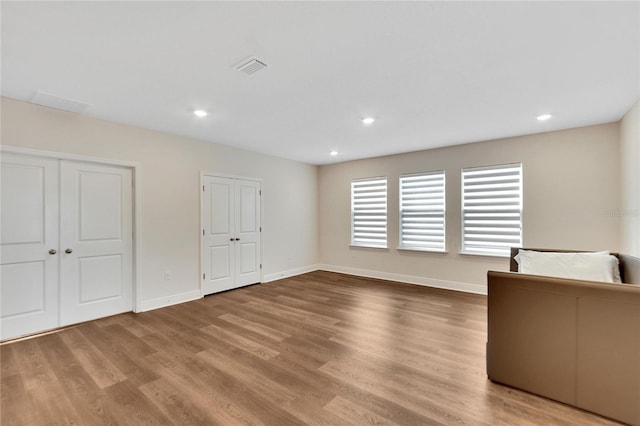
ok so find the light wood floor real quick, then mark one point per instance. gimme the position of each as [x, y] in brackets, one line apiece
[321, 348]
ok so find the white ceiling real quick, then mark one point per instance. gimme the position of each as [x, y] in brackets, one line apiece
[431, 73]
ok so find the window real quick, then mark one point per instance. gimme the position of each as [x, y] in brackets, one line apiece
[492, 209]
[422, 209]
[369, 212]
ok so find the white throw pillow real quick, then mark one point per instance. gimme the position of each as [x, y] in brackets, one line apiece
[593, 266]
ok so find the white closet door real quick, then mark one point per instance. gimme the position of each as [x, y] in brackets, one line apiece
[95, 241]
[29, 271]
[231, 233]
[218, 241]
[247, 232]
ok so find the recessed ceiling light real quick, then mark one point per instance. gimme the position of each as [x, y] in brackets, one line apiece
[368, 120]
[200, 113]
[543, 117]
[333, 153]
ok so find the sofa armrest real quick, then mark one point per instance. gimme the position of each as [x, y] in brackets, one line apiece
[574, 341]
[531, 335]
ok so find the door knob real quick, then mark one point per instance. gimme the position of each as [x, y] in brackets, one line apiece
[68, 251]
[52, 251]
[231, 239]
[237, 239]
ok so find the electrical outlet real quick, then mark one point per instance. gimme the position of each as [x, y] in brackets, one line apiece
[167, 275]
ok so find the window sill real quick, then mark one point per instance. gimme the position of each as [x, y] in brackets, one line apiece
[409, 248]
[368, 246]
[493, 256]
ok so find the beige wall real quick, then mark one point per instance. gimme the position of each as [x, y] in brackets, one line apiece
[572, 196]
[630, 181]
[171, 166]
[571, 188]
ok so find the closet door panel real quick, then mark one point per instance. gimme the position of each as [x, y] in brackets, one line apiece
[248, 232]
[28, 272]
[218, 251]
[231, 233]
[221, 262]
[101, 278]
[96, 241]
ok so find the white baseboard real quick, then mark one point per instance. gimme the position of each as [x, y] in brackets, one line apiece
[161, 302]
[410, 279]
[289, 273]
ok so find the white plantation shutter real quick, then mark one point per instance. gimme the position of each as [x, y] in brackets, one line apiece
[492, 209]
[422, 211]
[369, 212]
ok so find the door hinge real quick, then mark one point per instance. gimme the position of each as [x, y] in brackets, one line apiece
[203, 276]
[261, 229]
[203, 232]
[203, 188]
[260, 192]
[261, 266]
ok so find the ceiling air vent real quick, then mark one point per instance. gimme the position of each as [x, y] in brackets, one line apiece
[250, 66]
[52, 101]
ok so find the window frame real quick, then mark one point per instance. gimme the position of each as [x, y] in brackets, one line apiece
[501, 249]
[401, 236]
[371, 180]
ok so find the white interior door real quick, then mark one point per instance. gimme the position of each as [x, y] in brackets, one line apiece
[29, 245]
[95, 241]
[231, 233]
[218, 241]
[247, 233]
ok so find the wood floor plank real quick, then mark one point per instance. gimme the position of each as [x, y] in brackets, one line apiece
[277, 322]
[227, 392]
[319, 349]
[8, 361]
[100, 368]
[299, 378]
[298, 394]
[85, 395]
[129, 321]
[123, 349]
[268, 332]
[129, 406]
[14, 400]
[180, 407]
[294, 314]
[243, 343]
[44, 396]
[34, 370]
[354, 414]
[270, 389]
[183, 378]
[385, 385]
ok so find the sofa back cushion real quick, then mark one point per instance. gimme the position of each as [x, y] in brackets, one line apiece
[590, 266]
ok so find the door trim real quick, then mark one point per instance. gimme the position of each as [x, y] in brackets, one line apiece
[136, 169]
[204, 174]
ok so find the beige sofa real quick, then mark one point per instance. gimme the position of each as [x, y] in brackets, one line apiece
[574, 341]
